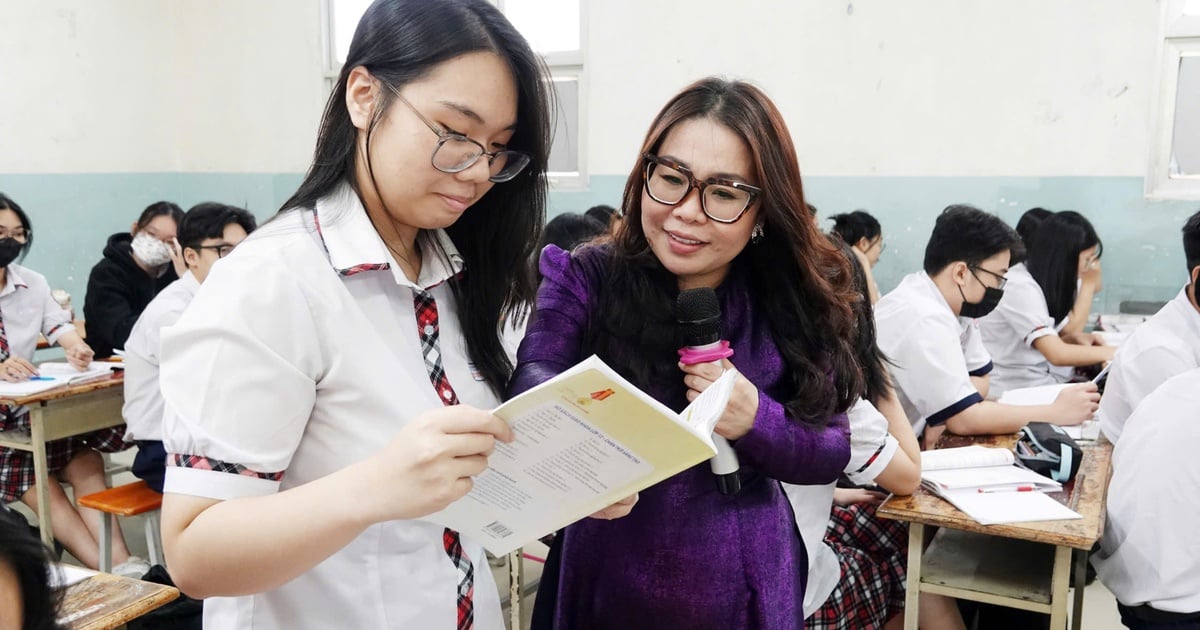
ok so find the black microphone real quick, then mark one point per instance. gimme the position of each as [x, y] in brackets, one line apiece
[698, 312]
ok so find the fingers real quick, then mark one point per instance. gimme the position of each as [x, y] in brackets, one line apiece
[467, 419]
[460, 445]
[18, 369]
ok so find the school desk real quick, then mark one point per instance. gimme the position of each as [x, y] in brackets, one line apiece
[62, 412]
[1020, 565]
[104, 601]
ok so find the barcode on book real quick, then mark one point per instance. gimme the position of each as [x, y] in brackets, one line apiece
[497, 529]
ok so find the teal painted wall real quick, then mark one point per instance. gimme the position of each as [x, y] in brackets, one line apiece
[73, 215]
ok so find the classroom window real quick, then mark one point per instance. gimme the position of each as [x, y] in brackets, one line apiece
[554, 29]
[1174, 171]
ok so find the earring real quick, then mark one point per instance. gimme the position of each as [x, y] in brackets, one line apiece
[756, 235]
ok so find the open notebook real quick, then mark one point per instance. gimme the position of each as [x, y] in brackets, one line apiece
[987, 485]
[54, 374]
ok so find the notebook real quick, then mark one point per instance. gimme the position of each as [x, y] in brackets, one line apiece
[54, 374]
[986, 484]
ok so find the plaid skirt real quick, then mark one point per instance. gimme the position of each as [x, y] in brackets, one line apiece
[873, 554]
[16, 467]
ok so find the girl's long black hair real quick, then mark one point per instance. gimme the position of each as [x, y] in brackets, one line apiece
[400, 41]
[1054, 258]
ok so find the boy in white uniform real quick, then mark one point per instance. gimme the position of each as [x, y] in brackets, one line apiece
[207, 233]
[1166, 345]
[1149, 555]
[926, 327]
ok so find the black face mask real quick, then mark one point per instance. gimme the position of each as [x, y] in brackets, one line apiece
[10, 248]
[975, 310]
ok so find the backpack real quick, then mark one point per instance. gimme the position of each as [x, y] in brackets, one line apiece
[1046, 449]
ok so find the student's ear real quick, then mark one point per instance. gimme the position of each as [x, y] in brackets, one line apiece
[863, 244]
[1195, 274]
[133, 228]
[191, 257]
[960, 271]
[362, 91]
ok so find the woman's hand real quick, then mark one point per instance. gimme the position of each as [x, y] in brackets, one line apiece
[618, 509]
[429, 463]
[850, 496]
[177, 260]
[15, 369]
[79, 356]
[738, 418]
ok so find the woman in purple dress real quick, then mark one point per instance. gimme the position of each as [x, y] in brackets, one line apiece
[715, 201]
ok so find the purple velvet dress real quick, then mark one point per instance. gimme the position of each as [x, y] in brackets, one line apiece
[687, 556]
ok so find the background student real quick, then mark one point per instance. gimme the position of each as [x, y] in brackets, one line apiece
[1165, 345]
[607, 216]
[714, 200]
[926, 327]
[1023, 334]
[1149, 557]
[27, 310]
[863, 234]
[208, 232]
[1026, 226]
[135, 267]
[27, 600]
[856, 578]
[347, 350]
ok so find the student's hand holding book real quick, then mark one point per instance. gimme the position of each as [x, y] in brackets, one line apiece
[430, 463]
[1075, 404]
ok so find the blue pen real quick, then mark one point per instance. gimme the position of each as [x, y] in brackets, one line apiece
[41, 378]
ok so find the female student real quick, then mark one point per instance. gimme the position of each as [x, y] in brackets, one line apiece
[1027, 334]
[27, 310]
[338, 341]
[714, 200]
[861, 231]
[136, 266]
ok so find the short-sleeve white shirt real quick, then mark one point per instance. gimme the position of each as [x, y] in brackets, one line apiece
[1150, 553]
[28, 310]
[299, 356]
[934, 353]
[1163, 346]
[871, 450]
[1021, 318]
[143, 410]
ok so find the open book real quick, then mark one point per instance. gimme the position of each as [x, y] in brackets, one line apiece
[1045, 395]
[986, 484]
[54, 374]
[585, 439]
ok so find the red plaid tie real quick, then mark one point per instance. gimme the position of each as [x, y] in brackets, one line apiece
[3, 340]
[427, 327]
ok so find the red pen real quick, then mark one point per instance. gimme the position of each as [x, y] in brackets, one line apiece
[1017, 489]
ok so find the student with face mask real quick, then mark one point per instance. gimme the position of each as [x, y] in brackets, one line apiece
[27, 310]
[136, 266]
[926, 326]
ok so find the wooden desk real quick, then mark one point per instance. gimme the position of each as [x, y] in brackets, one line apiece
[106, 601]
[962, 562]
[62, 412]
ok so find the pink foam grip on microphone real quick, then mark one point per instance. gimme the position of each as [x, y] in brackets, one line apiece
[692, 356]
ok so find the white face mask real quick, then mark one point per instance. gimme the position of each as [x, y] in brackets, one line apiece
[150, 250]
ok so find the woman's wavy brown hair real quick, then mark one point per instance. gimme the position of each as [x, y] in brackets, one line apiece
[795, 277]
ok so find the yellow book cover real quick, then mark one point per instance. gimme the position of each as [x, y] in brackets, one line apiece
[585, 439]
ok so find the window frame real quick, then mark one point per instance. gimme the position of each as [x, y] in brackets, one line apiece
[1179, 37]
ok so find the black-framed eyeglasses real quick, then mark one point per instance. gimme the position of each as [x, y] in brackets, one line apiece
[456, 153]
[19, 234]
[1000, 278]
[222, 250]
[723, 200]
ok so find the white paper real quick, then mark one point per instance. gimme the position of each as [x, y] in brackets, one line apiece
[989, 477]
[64, 575]
[973, 456]
[1009, 507]
[1041, 395]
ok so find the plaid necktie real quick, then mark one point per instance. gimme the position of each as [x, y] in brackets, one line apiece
[3, 340]
[427, 327]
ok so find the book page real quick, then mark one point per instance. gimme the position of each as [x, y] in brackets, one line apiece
[974, 456]
[1009, 507]
[988, 477]
[704, 412]
[69, 373]
[584, 440]
[1041, 395]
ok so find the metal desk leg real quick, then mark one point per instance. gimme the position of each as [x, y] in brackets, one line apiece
[1058, 587]
[516, 574]
[1081, 560]
[41, 474]
[916, 547]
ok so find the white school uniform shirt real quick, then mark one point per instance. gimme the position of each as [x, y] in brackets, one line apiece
[1021, 318]
[143, 409]
[28, 310]
[299, 356]
[933, 352]
[871, 450]
[1163, 346]
[1150, 553]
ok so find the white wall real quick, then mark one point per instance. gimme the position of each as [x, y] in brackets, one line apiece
[159, 85]
[880, 87]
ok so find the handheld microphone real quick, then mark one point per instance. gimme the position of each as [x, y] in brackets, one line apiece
[699, 315]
